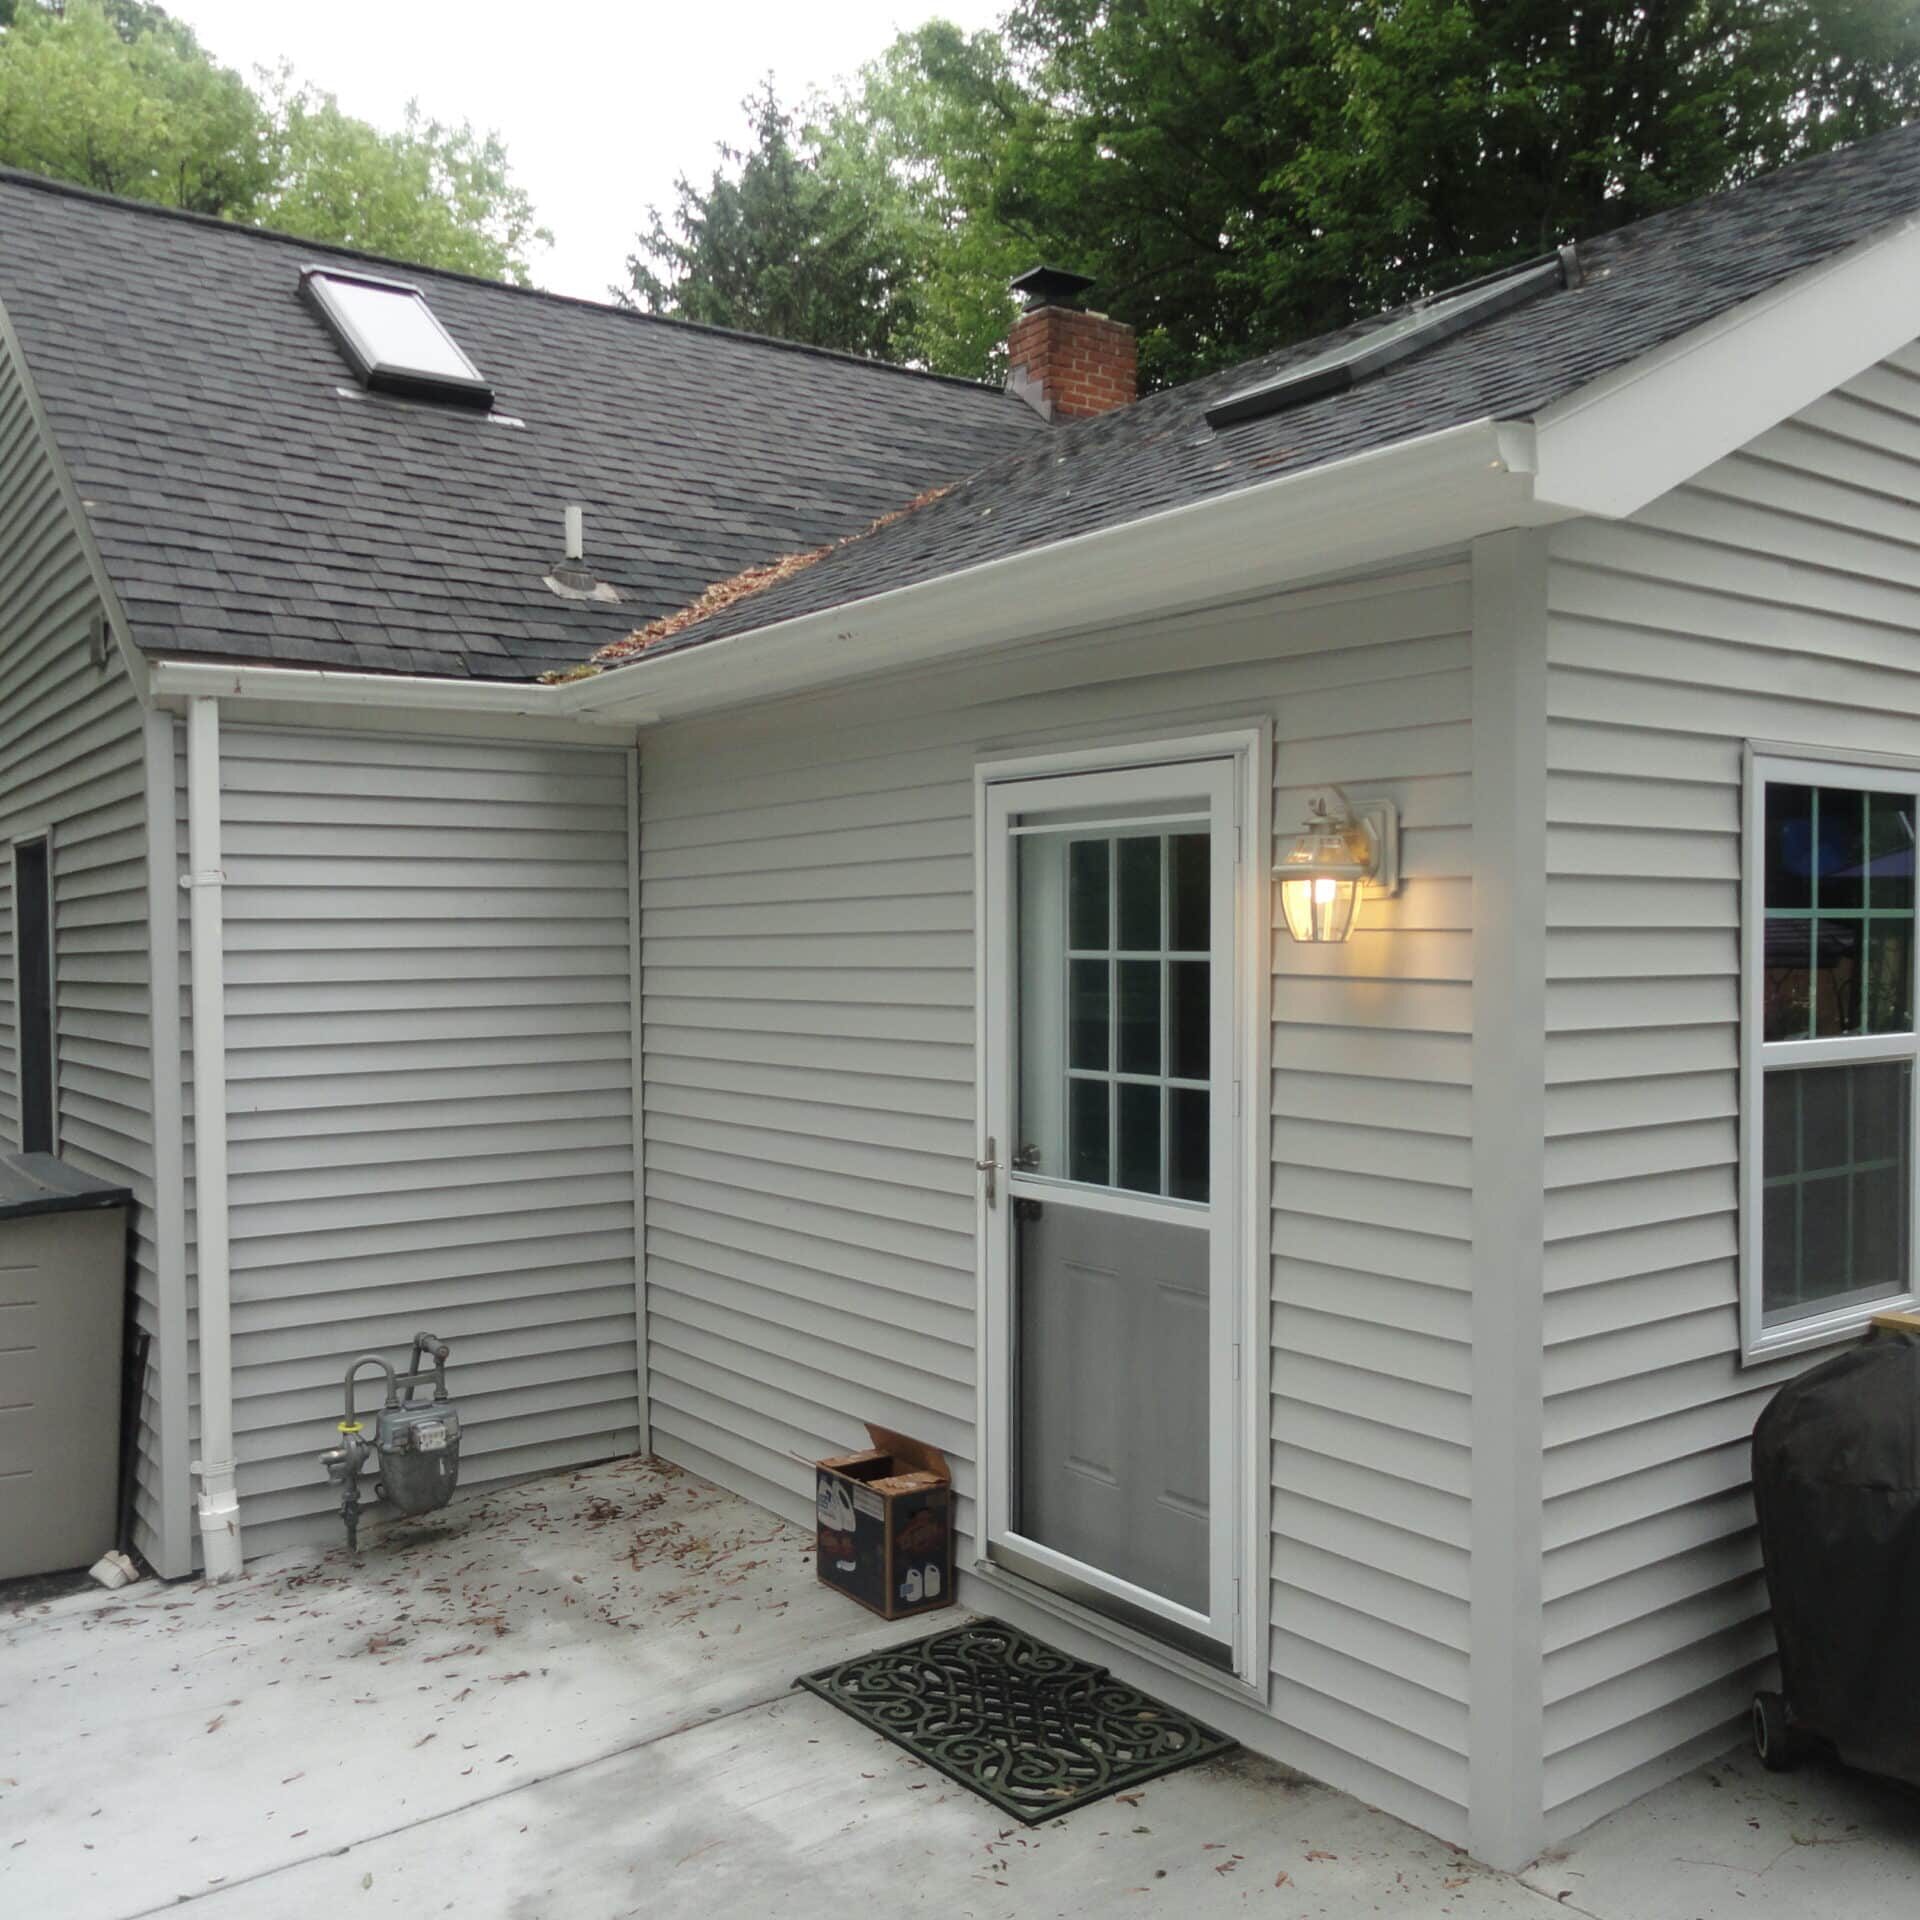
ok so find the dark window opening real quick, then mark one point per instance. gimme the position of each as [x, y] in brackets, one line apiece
[33, 970]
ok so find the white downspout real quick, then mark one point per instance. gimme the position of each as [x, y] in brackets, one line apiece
[219, 1502]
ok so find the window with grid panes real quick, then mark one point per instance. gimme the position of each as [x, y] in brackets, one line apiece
[1831, 1202]
[1139, 998]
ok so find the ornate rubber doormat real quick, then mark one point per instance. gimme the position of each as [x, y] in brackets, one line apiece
[1033, 1730]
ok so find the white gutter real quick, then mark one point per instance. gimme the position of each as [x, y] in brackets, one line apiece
[1414, 497]
[189, 680]
[219, 1501]
[1419, 496]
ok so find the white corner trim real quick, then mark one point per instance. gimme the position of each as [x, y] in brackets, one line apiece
[1506, 1822]
[1636, 433]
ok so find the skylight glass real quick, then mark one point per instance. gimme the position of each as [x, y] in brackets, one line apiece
[392, 339]
[1411, 332]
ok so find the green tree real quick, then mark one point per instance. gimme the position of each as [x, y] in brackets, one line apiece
[1238, 174]
[771, 245]
[919, 141]
[440, 195]
[1476, 132]
[117, 95]
[127, 104]
[1241, 173]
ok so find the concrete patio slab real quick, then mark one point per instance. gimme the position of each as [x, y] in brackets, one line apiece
[572, 1697]
[165, 1740]
[1732, 1839]
[792, 1809]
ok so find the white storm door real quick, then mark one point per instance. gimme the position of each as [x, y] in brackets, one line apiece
[1111, 1296]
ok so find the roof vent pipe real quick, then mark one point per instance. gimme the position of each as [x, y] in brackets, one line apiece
[572, 578]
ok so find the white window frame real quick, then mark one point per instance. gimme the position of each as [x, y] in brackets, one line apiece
[1767, 763]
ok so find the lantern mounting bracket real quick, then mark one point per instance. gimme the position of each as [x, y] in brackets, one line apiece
[1379, 820]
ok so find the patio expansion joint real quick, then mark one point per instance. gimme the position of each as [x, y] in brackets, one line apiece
[712, 1719]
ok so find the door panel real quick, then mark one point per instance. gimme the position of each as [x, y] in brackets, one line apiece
[1112, 1360]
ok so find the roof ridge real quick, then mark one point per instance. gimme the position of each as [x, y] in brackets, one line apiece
[72, 190]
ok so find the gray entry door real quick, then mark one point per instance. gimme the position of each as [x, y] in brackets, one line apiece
[1110, 1300]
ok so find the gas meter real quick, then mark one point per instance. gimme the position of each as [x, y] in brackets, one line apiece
[415, 1443]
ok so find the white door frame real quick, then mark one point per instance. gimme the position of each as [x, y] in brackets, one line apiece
[1242, 1388]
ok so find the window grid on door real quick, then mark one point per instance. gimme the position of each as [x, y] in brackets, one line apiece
[1139, 987]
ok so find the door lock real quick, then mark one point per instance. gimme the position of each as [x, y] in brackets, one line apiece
[989, 1166]
[1027, 1160]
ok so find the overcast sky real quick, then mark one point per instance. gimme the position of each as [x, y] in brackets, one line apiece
[601, 102]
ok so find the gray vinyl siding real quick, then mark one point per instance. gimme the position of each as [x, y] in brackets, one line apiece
[71, 758]
[808, 939]
[430, 1096]
[1775, 597]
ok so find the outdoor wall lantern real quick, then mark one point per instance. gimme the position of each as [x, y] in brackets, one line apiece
[1339, 854]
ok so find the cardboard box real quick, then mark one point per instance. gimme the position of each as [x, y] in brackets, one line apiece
[886, 1525]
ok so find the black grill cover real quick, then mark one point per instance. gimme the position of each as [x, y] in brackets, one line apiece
[1836, 1480]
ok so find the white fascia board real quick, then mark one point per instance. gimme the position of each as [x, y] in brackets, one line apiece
[175, 681]
[1439, 490]
[319, 696]
[1615, 445]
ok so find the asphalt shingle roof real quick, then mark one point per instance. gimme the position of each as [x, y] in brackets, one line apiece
[1643, 285]
[246, 507]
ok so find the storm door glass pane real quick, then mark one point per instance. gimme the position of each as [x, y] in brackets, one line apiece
[1188, 1143]
[1139, 1050]
[1189, 1018]
[1114, 1005]
[1140, 1138]
[1090, 865]
[1089, 1023]
[1140, 894]
[1089, 1148]
[1189, 893]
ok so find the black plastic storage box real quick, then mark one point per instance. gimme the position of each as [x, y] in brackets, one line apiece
[1836, 1481]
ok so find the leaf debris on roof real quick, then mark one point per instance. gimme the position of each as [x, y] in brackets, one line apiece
[747, 582]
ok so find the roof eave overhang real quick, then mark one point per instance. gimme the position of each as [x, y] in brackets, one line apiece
[1437, 491]
[1615, 445]
[1608, 449]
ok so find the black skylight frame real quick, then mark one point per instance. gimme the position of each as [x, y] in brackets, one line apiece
[460, 383]
[1417, 329]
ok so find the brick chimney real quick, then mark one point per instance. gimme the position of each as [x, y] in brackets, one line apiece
[1062, 360]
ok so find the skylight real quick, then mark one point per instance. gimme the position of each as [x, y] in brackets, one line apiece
[391, 338]
[1411, 332]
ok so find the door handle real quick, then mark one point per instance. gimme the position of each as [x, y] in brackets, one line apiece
[989, 1166]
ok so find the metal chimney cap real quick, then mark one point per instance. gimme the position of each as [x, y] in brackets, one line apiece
[1049, 287]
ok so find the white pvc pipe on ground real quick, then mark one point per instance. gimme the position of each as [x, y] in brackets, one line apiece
[219, 1502]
